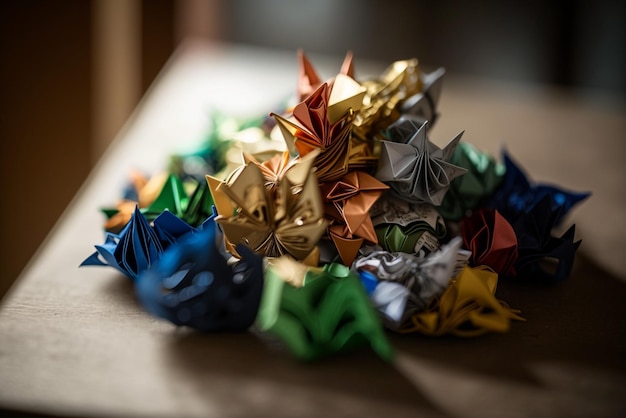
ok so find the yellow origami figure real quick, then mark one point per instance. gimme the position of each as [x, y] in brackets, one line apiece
[467, 308]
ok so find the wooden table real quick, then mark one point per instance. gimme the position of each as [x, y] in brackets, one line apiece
[74, 342]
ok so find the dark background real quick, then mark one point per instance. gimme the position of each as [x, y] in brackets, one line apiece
[46, 91]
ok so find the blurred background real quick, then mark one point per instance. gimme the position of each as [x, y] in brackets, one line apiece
[72, 71]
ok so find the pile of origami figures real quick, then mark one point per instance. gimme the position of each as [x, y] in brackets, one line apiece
[335, 220]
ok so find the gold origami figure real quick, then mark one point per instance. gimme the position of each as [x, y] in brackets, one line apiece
[275, 207]
[383, 95]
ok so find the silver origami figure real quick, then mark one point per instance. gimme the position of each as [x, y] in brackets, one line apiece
[416, 169]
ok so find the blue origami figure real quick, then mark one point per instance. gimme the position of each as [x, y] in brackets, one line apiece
[516, 194]
[139, 244]
[134, 250]
[541, 256]
[192, 284]
[170, 228]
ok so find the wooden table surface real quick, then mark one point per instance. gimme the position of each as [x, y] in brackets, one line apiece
[74, 342]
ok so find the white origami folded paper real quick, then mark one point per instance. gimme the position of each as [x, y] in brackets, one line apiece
[425, 279]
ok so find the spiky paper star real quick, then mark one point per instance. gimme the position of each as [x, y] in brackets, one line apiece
[309, 80]
[323, 121]
[542, 256]
[518, 195]
[348, 202]
[287, 218]
[472, 190]
[135, 249]
[423, 105]
[416, 169]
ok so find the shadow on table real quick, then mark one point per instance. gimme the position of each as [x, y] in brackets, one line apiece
[578, 323]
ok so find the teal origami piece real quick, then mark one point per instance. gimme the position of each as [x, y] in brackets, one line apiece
[472, 190]
[330, 313]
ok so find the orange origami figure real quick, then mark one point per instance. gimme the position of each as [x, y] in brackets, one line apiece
[348, 203]
[147, 192]
[309, 80]
[323, 120]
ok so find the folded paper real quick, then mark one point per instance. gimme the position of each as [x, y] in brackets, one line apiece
[542, 256]
[385, 94]
[308, 78]
[425, 278]
[517, 194]
[407, 227]
[467, 308]
[416, 169]
[334, 215]
[135, 249]
[347, 204]
[141, 192]
[171, 196]
[271, 215]
[323, 121]
[192, 284]
[330, 313]
[473, 189]
[491, 240]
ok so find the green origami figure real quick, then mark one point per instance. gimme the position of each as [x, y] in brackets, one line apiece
[407, 227]
[330, 313]
[469, 192]
[173, 197]
[200, 205]
[409, 239]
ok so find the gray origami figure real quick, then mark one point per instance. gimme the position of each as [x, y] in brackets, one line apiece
[416, 169]
[423, 105]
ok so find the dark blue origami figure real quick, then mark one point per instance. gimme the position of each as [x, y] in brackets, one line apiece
[517, 195]
[139, 244]
[135, 249]
[192, 284]
[541, 256]
[170, 228]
